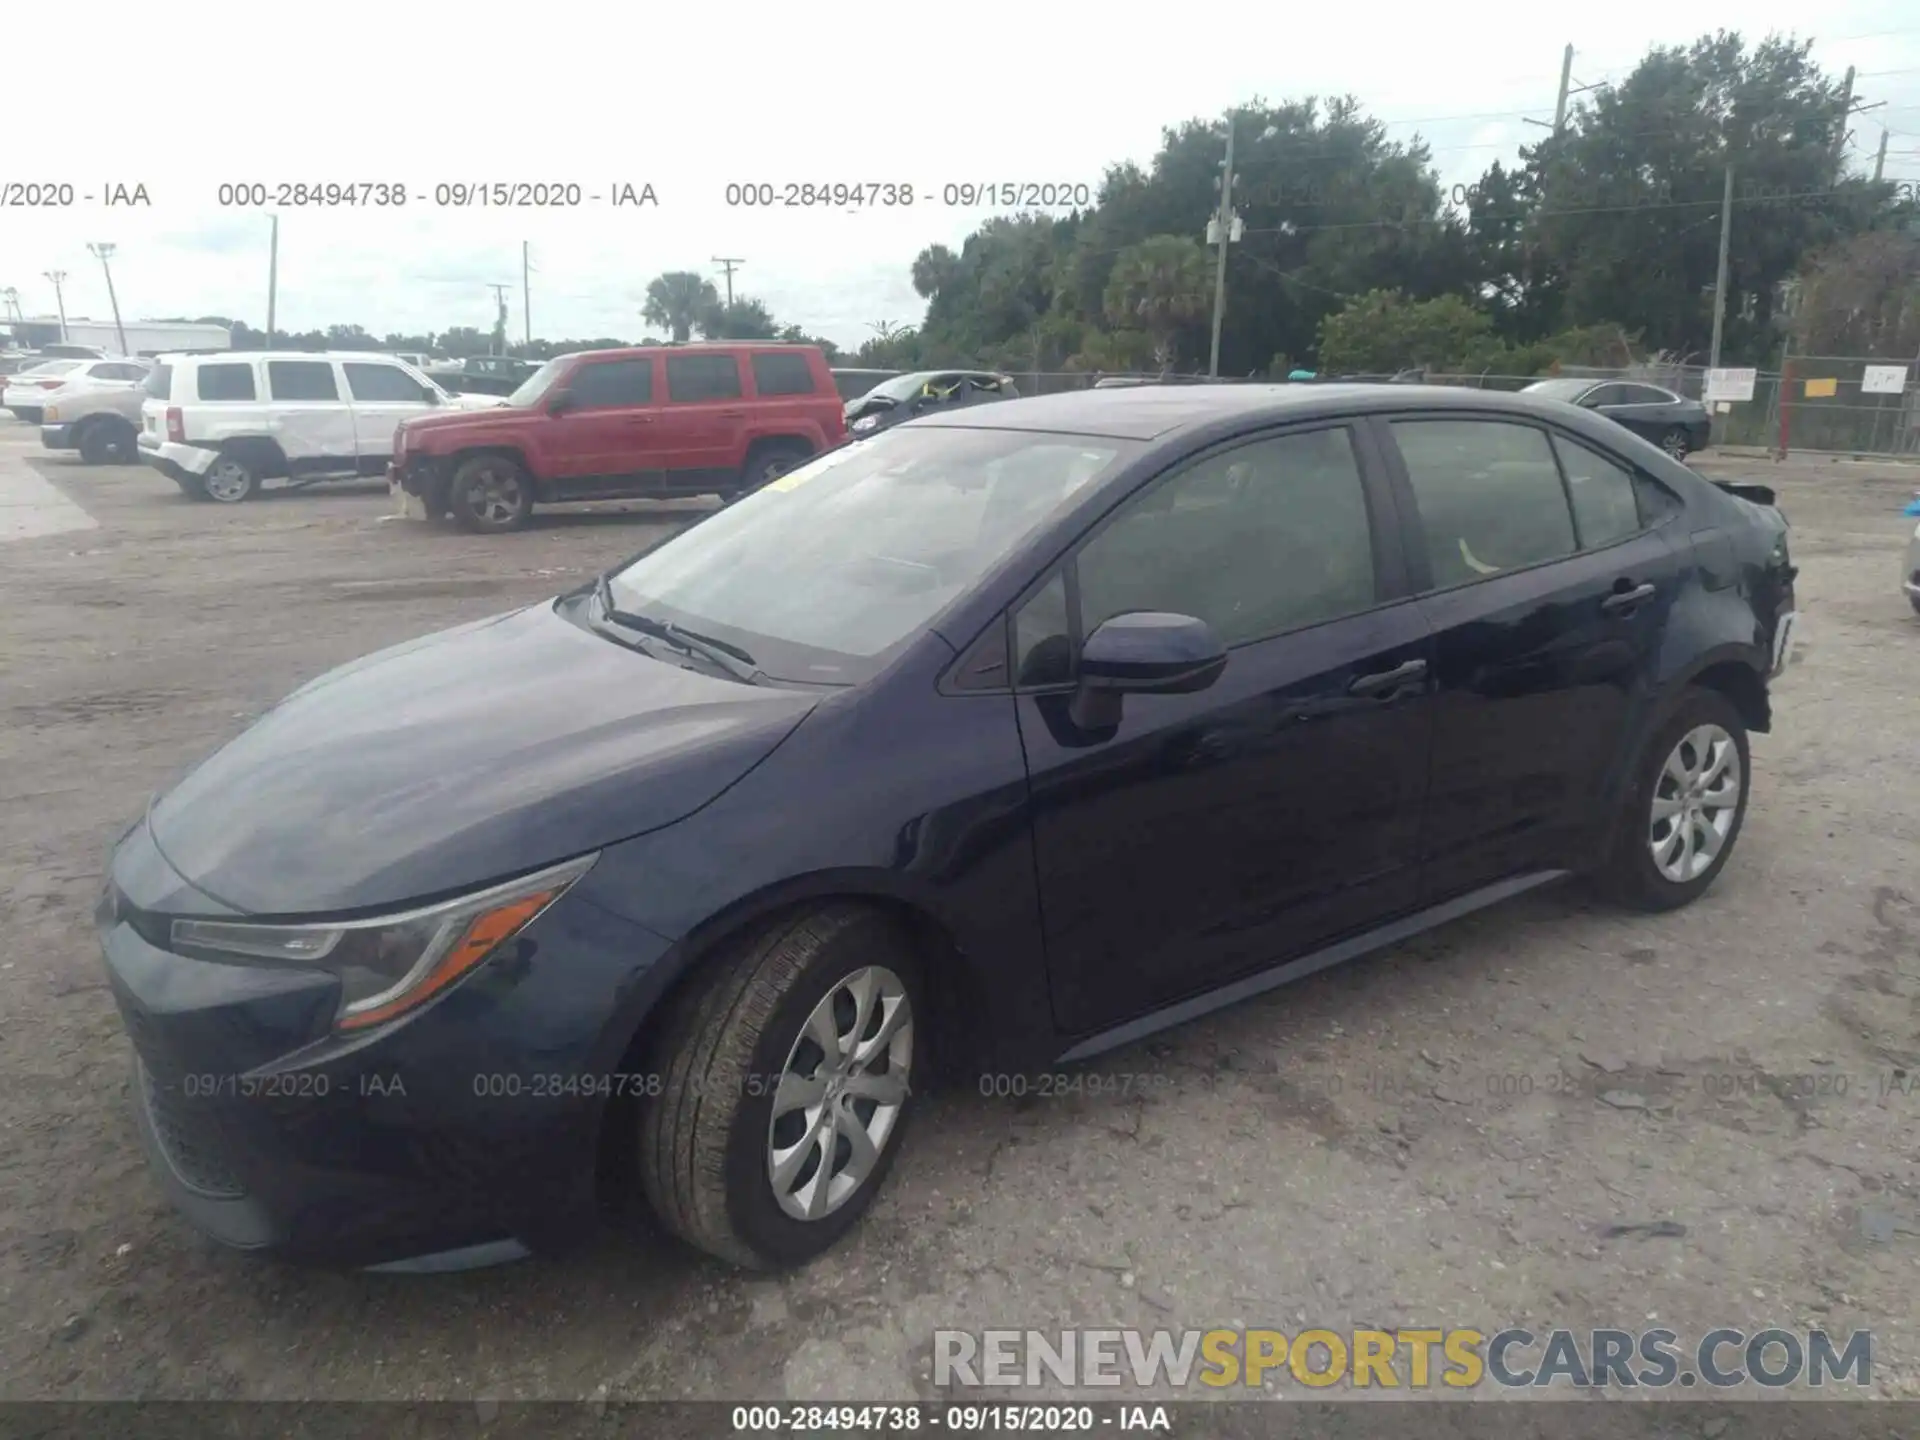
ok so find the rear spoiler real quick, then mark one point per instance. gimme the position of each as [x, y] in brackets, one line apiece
[1758, 494]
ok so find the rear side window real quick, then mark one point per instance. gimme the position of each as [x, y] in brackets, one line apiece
[703, 377]
[782, 375]
[610, 384]
[1489, 496]
[160, 383]
[1602, 493]
[380, 383]
[301, 380]
[224, 382]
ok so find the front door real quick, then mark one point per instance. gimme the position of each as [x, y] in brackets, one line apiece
[609, 436]
[1548, 594]
[383, 396]
[1212, 835]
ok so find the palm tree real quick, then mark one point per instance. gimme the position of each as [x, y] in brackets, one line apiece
[1158, 286]
[677, 300]
[933, 269]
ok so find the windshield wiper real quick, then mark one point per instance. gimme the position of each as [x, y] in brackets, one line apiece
[731, 658]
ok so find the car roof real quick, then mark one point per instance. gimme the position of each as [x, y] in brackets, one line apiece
[172, 357]
[1149, 412]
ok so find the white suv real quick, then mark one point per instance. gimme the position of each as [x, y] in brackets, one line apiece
[224, 425]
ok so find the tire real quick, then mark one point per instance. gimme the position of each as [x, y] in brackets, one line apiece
[105, 442]
[1696, 730]
[1676, 443]
[1914, 600]
[231, 479]
[490, 494]
[708, 1142]
[768, 463]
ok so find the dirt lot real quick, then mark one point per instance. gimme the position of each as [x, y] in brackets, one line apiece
[1441, 1135]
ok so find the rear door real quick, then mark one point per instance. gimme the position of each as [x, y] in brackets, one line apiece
[308, 413]
[1548, 595]
[381, 396]
[702, 425]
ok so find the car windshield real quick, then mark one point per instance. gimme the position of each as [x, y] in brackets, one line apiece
[1568, 390]
[836, 563]
[537, 384]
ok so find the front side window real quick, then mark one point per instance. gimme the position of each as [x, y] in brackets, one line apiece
[613, 384]
[1257, 540]
[1489, 496]
[838, 562]
[383, 384]
[301, 380]
[702, 377]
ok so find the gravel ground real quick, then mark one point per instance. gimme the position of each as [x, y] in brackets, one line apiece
[1442, 1134]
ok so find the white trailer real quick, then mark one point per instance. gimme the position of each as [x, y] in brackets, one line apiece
[143, 337]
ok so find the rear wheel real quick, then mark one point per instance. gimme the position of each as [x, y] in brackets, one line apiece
[105, 441]
[1675, 443]
[490, 494]
[230, 479]
[788, 1078]
[1686, 806]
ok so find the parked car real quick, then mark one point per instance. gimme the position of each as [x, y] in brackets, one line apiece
[987, 745]
[1676, 424]
[25, 391]
[484, 374]
[893, 401]
[1911, 580]
[605, 424]
[97, 411]
[223, 425]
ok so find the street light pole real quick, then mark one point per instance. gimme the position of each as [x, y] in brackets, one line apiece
[60, 299]
[1223, 219]
[104, 253]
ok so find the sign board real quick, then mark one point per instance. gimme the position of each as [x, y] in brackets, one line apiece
[1822, 389]
[1730, 385]
[1883, 380]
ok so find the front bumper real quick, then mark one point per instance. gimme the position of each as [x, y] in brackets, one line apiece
[57, 437]
[443, 1141]
[27, 412]
[175, 461]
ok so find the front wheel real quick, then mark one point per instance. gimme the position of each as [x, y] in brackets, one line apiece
[106, 442]
[767, 464]
[1675, 443]
[1685, 808]
[490, 495]
[788, 1077]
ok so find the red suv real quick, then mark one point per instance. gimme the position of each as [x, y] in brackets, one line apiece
[606, 424]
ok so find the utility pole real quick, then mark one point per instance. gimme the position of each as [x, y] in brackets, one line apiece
[729, 265]
[1880, 160]
[104, 253]
[500, 324]
[273, 275]
[526, 289]
[1223, 224]
[58, 277]
[1566, 79]
[1720, 278]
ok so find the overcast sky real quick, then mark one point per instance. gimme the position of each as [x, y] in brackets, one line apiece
[689, 100]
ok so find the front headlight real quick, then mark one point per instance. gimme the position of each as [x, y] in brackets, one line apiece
[50, 414]
[865, 422]
[393, 964]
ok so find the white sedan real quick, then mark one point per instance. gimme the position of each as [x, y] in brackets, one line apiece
[24, 392]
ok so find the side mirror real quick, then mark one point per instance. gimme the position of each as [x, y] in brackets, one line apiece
[431, 396]
[561, 403]
[1144, 653]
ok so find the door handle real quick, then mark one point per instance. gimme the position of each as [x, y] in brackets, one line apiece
[733, 414]
[639, 420]
[1627, 599]
[1384, 681]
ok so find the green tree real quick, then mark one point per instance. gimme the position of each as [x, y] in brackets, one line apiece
[1861, 297]
[744, 319]
[677, 300]
[1383, 331]
[1160, 286]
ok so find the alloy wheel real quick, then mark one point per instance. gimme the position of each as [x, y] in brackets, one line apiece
[841, 1093]
[493, 496]
[228, 481]
[1675, 444]
[1695, 802]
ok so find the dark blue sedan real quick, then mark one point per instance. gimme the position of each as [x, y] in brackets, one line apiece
[999, 740]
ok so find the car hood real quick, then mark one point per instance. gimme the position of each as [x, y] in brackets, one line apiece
[465, 414]
[463, 757]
